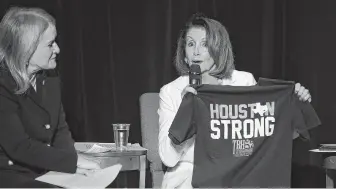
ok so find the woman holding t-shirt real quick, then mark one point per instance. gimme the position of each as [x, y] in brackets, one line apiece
[203, 41]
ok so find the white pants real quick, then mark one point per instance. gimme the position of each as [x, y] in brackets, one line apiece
[179, 176]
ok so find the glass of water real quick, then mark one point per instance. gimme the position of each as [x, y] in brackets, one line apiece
[121, 135]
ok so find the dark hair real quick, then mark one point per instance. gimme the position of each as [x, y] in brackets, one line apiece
[218, 44]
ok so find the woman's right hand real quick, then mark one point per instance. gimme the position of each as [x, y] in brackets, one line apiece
[188, 89]
[87, 163]
[86, 172]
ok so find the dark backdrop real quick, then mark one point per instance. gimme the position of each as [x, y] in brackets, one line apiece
[112, 51]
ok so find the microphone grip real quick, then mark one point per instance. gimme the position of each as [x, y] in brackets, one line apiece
[195, 75]
[194, 81]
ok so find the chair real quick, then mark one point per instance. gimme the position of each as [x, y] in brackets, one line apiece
[149, 103]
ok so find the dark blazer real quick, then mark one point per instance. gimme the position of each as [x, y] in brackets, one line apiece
[34, 136]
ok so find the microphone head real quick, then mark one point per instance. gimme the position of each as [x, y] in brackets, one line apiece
[195, 69]
[195, 74]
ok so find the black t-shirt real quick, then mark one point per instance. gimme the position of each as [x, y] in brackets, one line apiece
[243, 134]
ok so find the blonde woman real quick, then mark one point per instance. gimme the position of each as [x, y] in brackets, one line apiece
[34, 136]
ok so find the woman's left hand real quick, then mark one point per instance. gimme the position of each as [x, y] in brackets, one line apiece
[302, 93]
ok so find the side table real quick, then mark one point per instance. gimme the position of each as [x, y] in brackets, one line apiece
[134, 158]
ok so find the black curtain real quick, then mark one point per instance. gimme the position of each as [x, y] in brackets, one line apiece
[114, 51]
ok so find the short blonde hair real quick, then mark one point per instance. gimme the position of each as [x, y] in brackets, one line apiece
[218, 43]
[20, 32]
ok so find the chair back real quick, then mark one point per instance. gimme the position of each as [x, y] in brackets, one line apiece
[149, 104]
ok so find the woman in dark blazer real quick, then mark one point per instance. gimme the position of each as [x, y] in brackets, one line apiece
[34, 136]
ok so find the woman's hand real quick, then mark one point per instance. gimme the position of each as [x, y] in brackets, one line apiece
[84, 162]
[188, 89]
[302, 93]
[86, 172]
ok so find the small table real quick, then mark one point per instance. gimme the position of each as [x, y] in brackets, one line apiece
[329, 164]
[134, 158]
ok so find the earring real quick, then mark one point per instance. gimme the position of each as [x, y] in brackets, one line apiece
[185, 59]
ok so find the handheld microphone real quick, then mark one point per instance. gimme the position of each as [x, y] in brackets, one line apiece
[195, 74]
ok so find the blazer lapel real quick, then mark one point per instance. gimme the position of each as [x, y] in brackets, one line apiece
[32, 94]
[36, 96]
